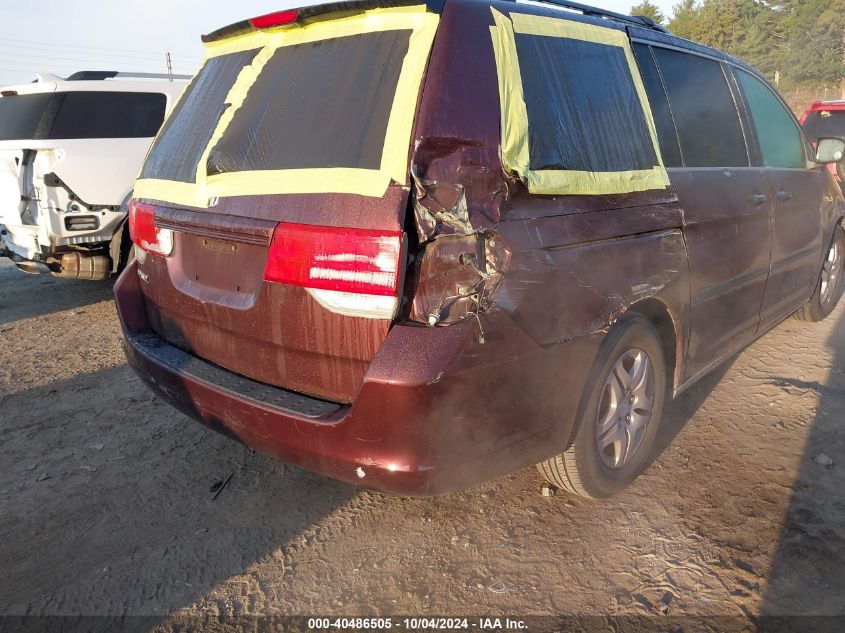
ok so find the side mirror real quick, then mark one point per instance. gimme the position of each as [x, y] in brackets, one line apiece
[830, 150]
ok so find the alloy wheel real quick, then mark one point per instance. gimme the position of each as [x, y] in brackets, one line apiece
[830, 272]
[625, 408]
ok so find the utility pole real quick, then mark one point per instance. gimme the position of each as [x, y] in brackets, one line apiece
[169, 67]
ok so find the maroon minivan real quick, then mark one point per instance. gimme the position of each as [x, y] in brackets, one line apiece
[415, 247]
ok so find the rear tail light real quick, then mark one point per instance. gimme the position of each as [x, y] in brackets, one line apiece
[355, 272]
[144, 232]
[279, 18]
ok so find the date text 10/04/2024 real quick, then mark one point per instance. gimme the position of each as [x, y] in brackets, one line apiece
[375, 624]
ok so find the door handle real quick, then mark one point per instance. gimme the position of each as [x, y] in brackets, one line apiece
[783, 195]
[758, 198]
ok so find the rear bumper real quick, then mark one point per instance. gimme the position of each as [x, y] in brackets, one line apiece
[436, 412]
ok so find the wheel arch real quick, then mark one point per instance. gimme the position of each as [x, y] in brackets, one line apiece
[661, 317]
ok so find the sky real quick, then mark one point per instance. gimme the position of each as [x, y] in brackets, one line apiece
[63, 36]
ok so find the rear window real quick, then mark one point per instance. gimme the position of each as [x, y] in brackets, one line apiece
[825, 124]
[81, 115]
[183, 139]
[328, 108]
[321, 104]
[317, 105]
[583, 116]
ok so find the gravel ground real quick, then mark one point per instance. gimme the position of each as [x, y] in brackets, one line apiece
[106, 504]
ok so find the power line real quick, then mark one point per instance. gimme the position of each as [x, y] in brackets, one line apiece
[38, 49]
[31, 62]
[54, 45]
[82, 57]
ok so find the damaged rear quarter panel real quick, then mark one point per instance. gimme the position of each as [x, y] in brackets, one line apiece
[569, 265]
[573, 275]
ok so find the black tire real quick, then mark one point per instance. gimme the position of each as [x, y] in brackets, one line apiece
[582, 469]
[822, 303]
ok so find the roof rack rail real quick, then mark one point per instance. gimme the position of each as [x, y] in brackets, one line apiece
[97, 75]
[636, 20]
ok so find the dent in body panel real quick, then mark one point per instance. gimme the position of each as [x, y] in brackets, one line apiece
[560, 266]
[558, 293]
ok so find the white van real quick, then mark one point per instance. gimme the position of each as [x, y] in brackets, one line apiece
[70, 150]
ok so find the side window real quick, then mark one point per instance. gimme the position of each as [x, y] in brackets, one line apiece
[584, 116]
[660, 109]
[575, 115]
[781, 144]
[704, 110]
[109, 115]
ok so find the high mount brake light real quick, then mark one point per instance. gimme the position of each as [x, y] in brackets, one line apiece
[143, 230]
[355, 272]
[279, 18]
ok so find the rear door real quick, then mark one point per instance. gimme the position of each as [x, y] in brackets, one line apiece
[726, 202]
[283, 176]
[797, 188]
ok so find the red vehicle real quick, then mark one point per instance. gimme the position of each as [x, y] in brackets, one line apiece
[826, 119]
[415, 262]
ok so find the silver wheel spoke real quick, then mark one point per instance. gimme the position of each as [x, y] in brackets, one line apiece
[638, 420]
[617, 439]
[613, 394]
[631, 379]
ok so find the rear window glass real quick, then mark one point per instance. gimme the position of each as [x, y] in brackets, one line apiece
[26, 116]
[704, 110]
[316, 105]
[81, 115]
[584, 113]
[825, 124]
[184, 137]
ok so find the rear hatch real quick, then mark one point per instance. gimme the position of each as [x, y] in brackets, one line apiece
[270, 211]
[24, 120]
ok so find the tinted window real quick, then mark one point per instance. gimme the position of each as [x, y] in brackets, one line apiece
[26, 116]
[79, 115]
[184, 137]
[321, 104]
[584, 113]
[704, 110]
[824, 124]
[108, 115]
[781, 144]
[659, 107]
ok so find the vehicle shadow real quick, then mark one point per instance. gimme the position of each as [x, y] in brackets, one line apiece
[813, 529]
[22, 296]
[678, 412]
[130, 508]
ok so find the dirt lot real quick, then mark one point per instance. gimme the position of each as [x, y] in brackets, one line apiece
[105, 502]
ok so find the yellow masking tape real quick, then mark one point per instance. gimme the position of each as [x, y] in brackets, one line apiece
[394, 157]
[515, 141]
[366, 182]
[181, 193]
[235, 98]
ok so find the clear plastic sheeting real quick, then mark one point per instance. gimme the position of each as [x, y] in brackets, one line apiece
[320, 104]
[181, 143]
[326, 106]
[582, 116]
[575, 116]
